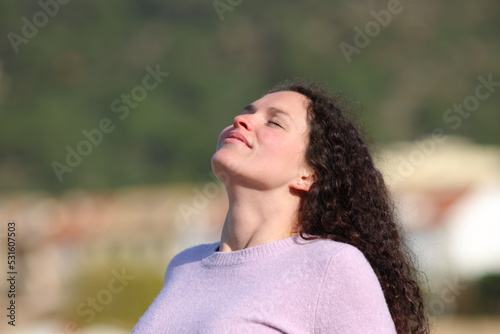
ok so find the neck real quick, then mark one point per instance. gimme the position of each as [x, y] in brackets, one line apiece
[257, 217]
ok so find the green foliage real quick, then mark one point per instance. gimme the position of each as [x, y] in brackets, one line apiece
[482, 297]
[489, 294]
[90, 303]
[64, 80]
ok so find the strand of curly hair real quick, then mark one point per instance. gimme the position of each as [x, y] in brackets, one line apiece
[349, 202]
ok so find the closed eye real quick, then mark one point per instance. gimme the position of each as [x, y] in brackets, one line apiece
[275, 123]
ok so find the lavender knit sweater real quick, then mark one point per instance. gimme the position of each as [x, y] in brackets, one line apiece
[288, 286]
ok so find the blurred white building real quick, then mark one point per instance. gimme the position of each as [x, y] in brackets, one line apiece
[448, 196]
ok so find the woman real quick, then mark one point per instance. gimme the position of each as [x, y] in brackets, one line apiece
[309, 244]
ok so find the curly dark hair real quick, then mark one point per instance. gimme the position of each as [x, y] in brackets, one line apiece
[349, 202]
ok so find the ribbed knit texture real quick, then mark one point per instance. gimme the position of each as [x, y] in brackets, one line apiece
[288, 286]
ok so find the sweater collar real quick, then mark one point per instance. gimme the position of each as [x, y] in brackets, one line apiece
[251, 254]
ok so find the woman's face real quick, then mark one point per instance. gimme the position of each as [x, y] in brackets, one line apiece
[265, 146]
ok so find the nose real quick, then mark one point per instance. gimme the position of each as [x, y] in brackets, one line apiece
[242, 121]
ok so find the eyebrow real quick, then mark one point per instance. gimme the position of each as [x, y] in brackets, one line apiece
[251, 108]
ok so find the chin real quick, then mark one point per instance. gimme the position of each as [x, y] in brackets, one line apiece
[221, 167]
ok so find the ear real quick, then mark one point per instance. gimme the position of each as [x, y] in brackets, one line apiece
[304, 182]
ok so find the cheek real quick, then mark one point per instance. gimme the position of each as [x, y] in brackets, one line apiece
[296, 151]
[289, 151]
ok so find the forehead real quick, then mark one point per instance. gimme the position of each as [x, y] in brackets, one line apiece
[293, 100]
[293, 103]
[292, 106]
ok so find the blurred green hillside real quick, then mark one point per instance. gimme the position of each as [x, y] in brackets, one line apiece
[64, 79]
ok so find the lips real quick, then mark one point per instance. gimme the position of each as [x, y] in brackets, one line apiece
[238, 136]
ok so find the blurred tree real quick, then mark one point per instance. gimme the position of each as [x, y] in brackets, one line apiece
[64, 79]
